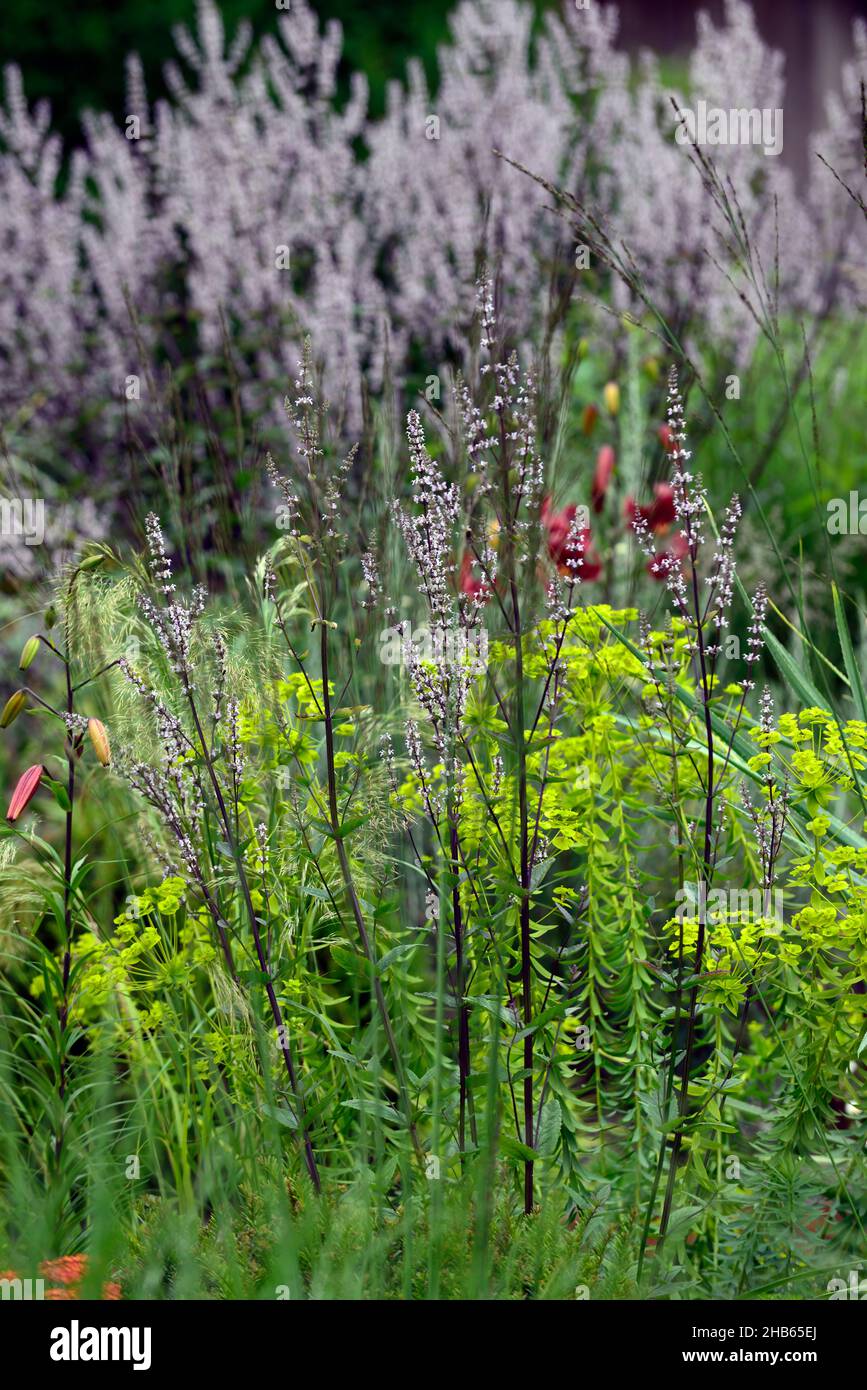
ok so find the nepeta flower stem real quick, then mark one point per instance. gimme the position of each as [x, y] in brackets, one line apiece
[63, 1013]
[276, 1012]
[526, 960]
[707, 873]
[460, 984]
[675, 1027]
[352, 894]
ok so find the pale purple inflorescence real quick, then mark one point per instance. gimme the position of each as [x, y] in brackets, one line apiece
[280, 214]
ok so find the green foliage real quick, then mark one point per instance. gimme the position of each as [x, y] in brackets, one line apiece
[176, 1067]
[262, 955]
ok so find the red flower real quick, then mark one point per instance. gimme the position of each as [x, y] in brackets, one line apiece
[659, 515]
[25, 791]
[592, 566]
[567, 544]
[469, 585]
[662, 512]
[666, 438]
[665, 560]
[602, 477]
[589, 417]
[67, 1270]
[819, 1224]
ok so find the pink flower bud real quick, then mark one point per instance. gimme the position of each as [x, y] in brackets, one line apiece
[25, 791]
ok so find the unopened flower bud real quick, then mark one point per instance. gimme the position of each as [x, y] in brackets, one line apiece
[28, 654]
[13, 707]
[25, 791]
[99, 739]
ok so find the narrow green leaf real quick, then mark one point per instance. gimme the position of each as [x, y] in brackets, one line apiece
[855, 681]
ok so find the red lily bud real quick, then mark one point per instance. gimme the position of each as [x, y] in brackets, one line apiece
[602, 477]
[588, 419]
[25, 791]
[666, 438]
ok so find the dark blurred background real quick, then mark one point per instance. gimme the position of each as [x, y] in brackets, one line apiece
[73, 53]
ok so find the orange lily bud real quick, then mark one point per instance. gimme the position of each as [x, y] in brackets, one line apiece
[99, 739]
[588, 419]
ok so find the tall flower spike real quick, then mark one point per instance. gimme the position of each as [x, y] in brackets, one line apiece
[766, 711]
[721, 581]
[487, 317]
[755, 635]
[689, 492]
[161, 565]
[370, 571]
[173, 622]
[289, 512]
[689, 498]
[429, 532]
